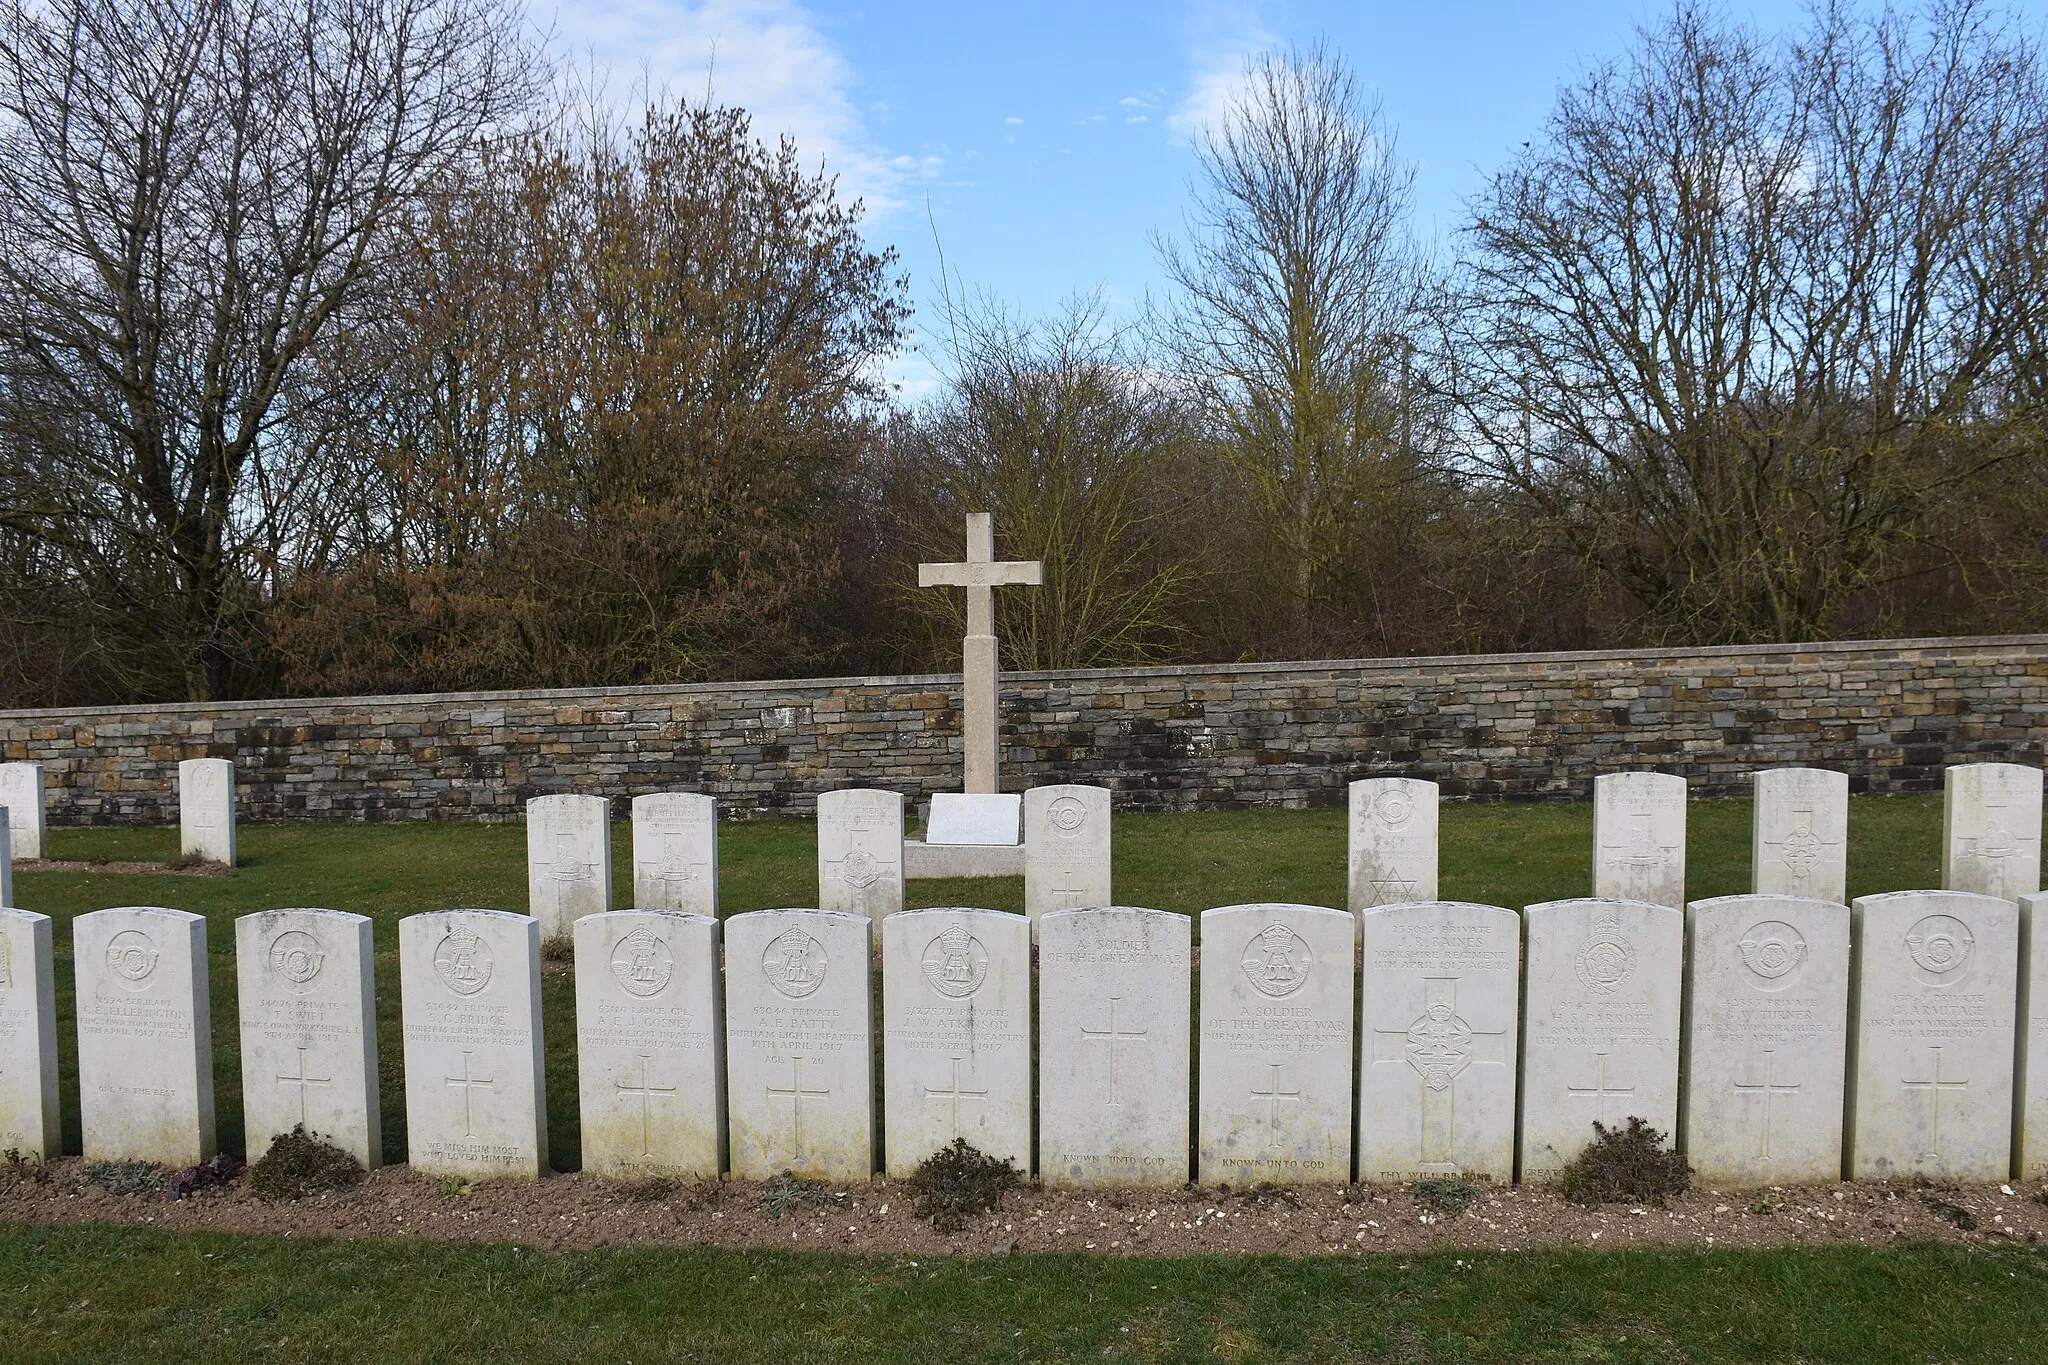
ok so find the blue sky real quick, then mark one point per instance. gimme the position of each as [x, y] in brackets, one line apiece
[1046, 144]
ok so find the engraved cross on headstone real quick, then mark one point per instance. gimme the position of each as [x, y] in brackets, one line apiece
[953, 1094]
[1801, 848]
[1114, 1036]
[1272, 1095]
[671, 868]
[646, 1092]
[1438, 1046]
[1599, 1092]
[469, 1084]
[1766, 1088]
[980, 574]
[1934, 1085]
[302, 1080]
[796, 1094]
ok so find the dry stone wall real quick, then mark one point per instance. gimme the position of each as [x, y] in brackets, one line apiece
[1523, 727]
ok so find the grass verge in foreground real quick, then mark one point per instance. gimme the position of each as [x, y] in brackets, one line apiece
[81, 1293]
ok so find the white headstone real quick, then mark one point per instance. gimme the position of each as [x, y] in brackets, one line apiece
[800, 1044]
[1393, 841]
[1066, 848]
[6, 866]
[973, 818]
[956, 1035]
[475, 1088]
[568, 861]
[28, 1036]
[1601, 1041]
[308, 996]
[860, 852]
[675, 852]
[1991, 829]
[21, 797]
[1437, 1057]
[2030, 1104]
[1113, 1018]
[650, 1052]
[1931, 1047]
[1639, 838]
[1277, 1011]
[145, 1037]
[1765, 1040]
[1800, 843]
[206, 809]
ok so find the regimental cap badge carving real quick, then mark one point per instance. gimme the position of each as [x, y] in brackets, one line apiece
[642, 962]
[794, 963]
[1066, 816]
[1941, 947]
[955, 963]
[1277, 960]
[463, 961]
[1393, 806]
[859, 870]
[132, 957]
[1605, 961]
[1773, 951]
[295, 958]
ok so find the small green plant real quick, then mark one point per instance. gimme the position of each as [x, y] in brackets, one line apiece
[958, 1181]
[1955, 1215]
[1630, 1165]
[454, 1187]
[28, 1168]
[126, 1177]
[216, 1172]
[299, 1163]
[1447, 1194]
[787, 1194]
[1766, 1202]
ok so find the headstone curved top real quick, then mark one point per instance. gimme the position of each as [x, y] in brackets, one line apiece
[568, 860]
[1639, 838]
[1800, 829]
[956, 1034]
[28, 1036]
[1393, 841]
[675, 852]
[1437, 1058]
[1277, 1013]
[206, 809]
[1113, 1022]
[145, 1035]
[1991, 829]
[306, 986]
[1066, 848]
[1765, 1039]
[1931, 1047]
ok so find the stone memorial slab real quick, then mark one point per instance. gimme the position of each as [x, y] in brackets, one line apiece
[6, 866]
[974, 818]
[860, 852]
[145, 1037]
[1601, 1038]
[475, 1088]
[1766, 1038]
[1639, 838]
[1800, 843]
[206, 809]
[956, 1035]
[1934, 990]
[1277, 1013]
[1437, 1055]
[799, 1044]
[1066, 848]
[28, 1036]
[1991, 829]
[1393, 842]
[2030, 1104]
[650, 1051]
[1113, 1021]
[21, 797]
[568, 861]
[675, 852]
[308, 995]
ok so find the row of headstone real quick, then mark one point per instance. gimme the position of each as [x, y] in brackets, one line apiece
[1991, 835]
[206, 812]
[1782, 1039]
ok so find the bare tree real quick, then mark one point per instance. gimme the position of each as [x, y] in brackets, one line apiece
[1296, 288]
[1745, 318]
[192, 192]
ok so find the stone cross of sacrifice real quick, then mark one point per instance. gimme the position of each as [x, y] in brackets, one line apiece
[980, 575]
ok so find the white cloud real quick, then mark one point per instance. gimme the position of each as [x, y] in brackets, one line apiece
[771, 57]
[1012, 121]
[1221, 38]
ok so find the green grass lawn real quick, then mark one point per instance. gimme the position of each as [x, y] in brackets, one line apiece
[123, 1293]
